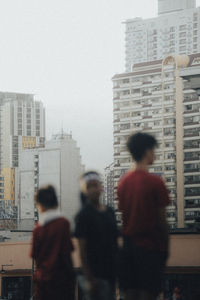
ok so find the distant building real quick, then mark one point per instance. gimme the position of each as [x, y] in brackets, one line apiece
[157, 98]
[109, 185]
[59, 164]
[175, 31]
[22, 126]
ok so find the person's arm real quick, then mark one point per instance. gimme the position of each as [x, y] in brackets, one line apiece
[82, 229]
[84, 259]
[163, 201]
[162, 221]
[33, 243]
[67, 247]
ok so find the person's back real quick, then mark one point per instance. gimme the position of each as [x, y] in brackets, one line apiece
[99, 230]
[142, 201]
[141, 195]
[51, 250]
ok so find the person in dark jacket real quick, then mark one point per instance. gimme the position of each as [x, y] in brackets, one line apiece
[97, 233]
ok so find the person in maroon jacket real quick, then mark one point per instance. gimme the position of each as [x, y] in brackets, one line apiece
[51, 250]
[143, 198]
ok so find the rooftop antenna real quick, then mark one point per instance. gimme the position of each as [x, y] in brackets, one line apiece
[62, 131]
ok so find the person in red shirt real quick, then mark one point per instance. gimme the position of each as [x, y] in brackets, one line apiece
[143, 198]
[51, 250]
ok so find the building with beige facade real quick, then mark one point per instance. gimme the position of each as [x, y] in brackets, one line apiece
[22, 126]
[156, 98]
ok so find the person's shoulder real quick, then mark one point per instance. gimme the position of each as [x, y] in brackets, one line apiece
[63, 221]
[126, 177]
[156, 179]
[109, 209]
[60, 222]
[84, 211]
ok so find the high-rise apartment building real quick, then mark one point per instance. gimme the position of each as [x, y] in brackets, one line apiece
[109, 185]
[58, 163]
[175, 31]
[156, 98]
[22, 126]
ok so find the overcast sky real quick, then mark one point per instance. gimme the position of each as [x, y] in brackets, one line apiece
[66, 52]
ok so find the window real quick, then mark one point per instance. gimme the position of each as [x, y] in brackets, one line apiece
[194, 167]
[195, 191]
[182, 34]
[182, 41]
[182, 27]
[170, 168]
[182, 48]
[125, 80]
[126, 92]
[125, 126]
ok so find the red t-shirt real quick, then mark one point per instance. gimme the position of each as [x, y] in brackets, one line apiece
[51, 249]
[141, 196]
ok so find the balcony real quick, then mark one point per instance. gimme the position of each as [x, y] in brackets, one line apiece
[192, 182]
[191, 194]
[192, 170]
[190, 123]
[190, 100]
[190, 218]
[192, 146]
[192, 205]
[196, 157]
[191, 111]
[192, 134]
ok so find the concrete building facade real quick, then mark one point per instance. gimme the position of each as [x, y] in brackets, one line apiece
[175, 31]
[22, 126]
[59, 164]
[155, 98]
[109, 185]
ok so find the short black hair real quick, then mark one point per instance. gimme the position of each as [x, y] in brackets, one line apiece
[46, 196]
[139, 143]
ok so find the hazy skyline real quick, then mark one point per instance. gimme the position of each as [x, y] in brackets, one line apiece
[66, 52]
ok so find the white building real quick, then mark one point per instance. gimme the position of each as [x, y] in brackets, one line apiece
[109, 185]
[175, 31]
[155, 98]
[59, 164]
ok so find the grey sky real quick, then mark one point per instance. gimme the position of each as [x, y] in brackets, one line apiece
[66, 51]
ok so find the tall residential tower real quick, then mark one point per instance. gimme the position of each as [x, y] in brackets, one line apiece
[175, 31]
[22, 126]
[157, 98]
